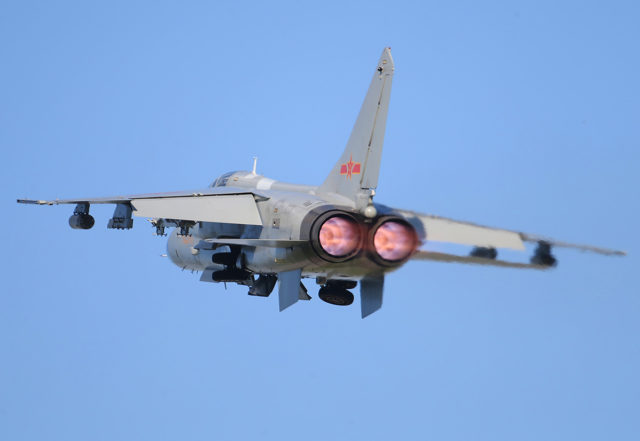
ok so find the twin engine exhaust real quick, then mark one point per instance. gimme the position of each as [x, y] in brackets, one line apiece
[339, 236]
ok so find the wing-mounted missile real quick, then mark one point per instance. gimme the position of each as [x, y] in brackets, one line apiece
[81, 219]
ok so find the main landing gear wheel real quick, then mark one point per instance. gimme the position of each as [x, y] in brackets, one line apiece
[336, 296]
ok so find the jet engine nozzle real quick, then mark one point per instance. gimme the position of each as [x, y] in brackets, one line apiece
[335, 235]
[394, 240]
[339, 236]
[81, 221]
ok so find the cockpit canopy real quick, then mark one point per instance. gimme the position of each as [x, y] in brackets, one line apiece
[223, 179]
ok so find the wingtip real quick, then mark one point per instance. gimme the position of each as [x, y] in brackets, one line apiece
[33, 202]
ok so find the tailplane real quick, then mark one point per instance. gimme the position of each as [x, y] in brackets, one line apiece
[356, 173]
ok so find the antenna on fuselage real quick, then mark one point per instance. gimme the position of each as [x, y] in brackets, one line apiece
[255, 165]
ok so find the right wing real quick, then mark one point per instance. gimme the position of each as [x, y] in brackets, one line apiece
[448, 258]
[441, 229]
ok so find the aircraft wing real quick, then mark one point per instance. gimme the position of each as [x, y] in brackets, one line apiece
[223, 205]
[448, 258]
[441, 229]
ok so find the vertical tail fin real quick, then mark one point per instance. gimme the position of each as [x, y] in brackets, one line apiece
[357, 170]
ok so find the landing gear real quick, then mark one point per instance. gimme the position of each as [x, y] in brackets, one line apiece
[336, 296]
[337, 293]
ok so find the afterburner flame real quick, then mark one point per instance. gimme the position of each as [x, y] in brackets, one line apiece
[394, 241]
[339, 236]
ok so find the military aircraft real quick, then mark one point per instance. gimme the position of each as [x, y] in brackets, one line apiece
[251, 230]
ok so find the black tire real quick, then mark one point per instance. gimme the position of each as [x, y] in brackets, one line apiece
[336, 296]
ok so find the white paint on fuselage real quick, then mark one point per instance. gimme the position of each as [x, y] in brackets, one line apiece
[264, 184]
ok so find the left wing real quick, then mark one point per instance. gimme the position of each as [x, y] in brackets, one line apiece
[230, 208]
[226, 205]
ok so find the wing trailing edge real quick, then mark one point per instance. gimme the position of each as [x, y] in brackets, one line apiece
[454, 258]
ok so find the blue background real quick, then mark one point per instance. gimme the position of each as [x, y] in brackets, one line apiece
[522, 115]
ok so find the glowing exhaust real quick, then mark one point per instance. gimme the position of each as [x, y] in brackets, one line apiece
[339, 236]
[394, 241]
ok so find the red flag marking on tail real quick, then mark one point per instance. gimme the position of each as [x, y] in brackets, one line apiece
[350, 168]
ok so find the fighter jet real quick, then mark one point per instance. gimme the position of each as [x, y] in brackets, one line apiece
[251, 230]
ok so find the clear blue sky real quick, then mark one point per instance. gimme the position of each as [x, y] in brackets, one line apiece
[524, 115]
